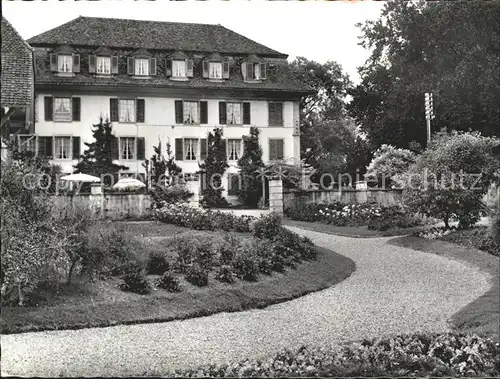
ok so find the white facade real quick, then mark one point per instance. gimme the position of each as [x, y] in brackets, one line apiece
[160, 124]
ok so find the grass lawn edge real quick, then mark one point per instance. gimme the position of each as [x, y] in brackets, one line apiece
[329, 269]
[481, 316]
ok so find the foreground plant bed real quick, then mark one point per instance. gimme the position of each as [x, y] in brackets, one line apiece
[129, 308]
[482, 316]
[453, 355]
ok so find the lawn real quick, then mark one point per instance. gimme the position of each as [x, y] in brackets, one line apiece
[101, 303]
[482, 316]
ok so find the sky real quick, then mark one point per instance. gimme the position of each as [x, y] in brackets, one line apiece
[317, 30]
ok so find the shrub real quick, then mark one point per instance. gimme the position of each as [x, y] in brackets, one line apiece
[267, 226]
[264, 250]
[176, 193]
[157, 263]
[449, 179]
[245, 263]
[197, 275]
[226, 249]
[134, 280]
[388, 162]
[168, 282]
[201, 219]
[225, 274]
[449, 355]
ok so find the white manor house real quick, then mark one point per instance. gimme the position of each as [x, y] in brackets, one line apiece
[160, 81]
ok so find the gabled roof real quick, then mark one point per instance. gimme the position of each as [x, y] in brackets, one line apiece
[17, 69]
[112, 32]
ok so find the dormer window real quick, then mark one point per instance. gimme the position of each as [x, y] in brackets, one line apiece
[141, 64]
[215, 70]
[64, 61]
[103, 65]
[254, 69]
[179, 66]
[216, 67]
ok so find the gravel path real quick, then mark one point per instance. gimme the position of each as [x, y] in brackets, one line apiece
[393, 290]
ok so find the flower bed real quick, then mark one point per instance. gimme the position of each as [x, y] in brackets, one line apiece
[415, 355]
[202, 219]
[376, 216]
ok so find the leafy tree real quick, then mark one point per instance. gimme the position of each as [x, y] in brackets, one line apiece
[389, 161]
[97, 159]
[449, 179]
[447, 48]
[251, 168]
[213, 168]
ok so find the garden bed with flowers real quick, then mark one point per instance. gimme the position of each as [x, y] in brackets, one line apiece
[354, 220]
[438, 355]
[156, 271]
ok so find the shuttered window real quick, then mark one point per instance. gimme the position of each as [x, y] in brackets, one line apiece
[234, 116]
[65, 63]
[190, 112]
[141, 66]
[126, 109]
[234, 149]
[246, 113]
[215, 70]
[276, 114]
[276, 147]
[62, 148]
[104, 65]
[127, 148]
[179, 68]
[62, 109]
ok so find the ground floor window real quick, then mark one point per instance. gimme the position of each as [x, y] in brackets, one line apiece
[62, 147]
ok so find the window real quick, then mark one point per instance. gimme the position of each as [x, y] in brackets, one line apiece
[215, 70]
[233, 184]
[233, 149]
[256, 71]
[62, 109]
[62, 147]
[126, 110]
[276, 114]
[27, 143]
[127, 148]
[190, 149]
[190, 112]
[234, 113]
[179, 68]
[276, 149]
[65, 63]
[141, 66]
[104, 65]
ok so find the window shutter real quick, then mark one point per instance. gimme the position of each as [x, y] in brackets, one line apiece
[113, 110]
[263, 73]
[130, 66]
[114, 148]
[76, 62]
[114, 64]
[53, 62]
[279, 113]
[224, 146]
[179, 151]
[189, 70]
[273, 150]
[152, 66]
[92, 64]
[76, 147]
[246, 113]
[48, 105]
[205, 69]
[249, 70]
[222, 113]
[203, 149]
[76, 107]
[178, 112]
[141, 149]
[141, 110]
[45, 146]
[279, 149]
[168, 67]
[225, 70]
[203, 112]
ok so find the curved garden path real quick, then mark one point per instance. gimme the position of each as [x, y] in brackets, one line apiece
[393, 290]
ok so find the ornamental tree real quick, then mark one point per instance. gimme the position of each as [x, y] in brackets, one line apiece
[213, 168]
[251, 167]
[449, 179]
[97, 159]
[389, 161]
